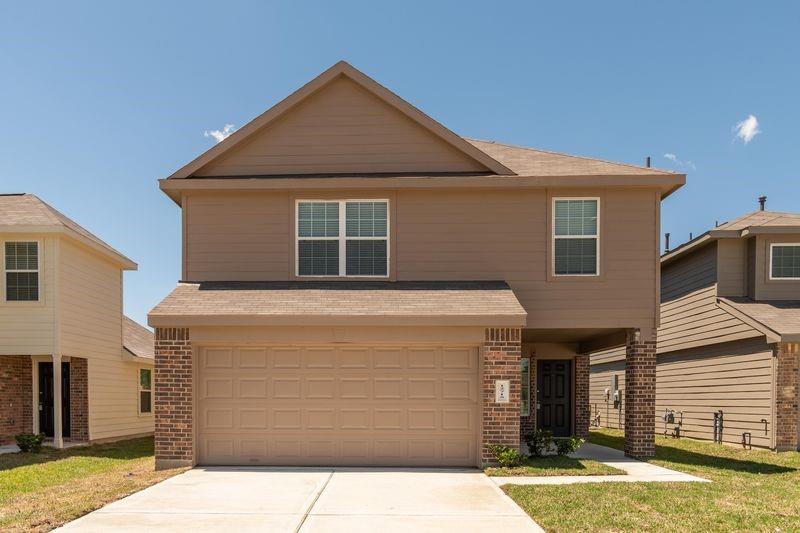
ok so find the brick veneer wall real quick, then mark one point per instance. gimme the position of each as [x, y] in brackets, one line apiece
[79, 399]
[640, 394]
[787, 408]
[16, 396]
[174, 431]
[502, 348]
[582, 396]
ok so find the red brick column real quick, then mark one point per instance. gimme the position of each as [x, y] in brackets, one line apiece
[502, 348]
[582, 395]
[174, 424]
[640, 393]
[79, 399]
[16, 396]
[787, 409]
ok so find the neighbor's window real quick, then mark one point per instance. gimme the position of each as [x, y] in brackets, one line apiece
[575, 236]
[785, 261]
[343, 238]
[145, 391]
[525, 394]
[22, 271]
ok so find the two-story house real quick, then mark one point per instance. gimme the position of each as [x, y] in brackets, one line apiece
[362, 286]
[728, 349]
[72, 366]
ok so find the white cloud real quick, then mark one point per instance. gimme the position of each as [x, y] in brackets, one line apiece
[679, 162]
[747, 129]
[220, 135]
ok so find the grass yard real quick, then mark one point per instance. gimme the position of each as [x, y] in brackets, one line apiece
[39, 492]
[554, 465]
[754, 490]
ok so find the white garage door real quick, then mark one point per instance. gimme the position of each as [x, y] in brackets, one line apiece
[313, 405]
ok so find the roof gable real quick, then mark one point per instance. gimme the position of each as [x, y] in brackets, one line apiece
[342, 122]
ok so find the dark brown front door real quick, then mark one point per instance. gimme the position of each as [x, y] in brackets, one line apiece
[554, 396]
[46, 403]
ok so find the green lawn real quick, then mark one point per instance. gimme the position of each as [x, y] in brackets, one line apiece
[752, 490]
[554, 465]
[39, 492]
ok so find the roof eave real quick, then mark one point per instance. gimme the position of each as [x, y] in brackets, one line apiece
[188, 320]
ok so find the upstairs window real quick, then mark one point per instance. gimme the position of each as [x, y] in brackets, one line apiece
[343, 238]
[576, 239]
[22, 271]
[785, 261]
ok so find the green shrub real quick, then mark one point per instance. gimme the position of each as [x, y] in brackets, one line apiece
[29, 442]
[506, 456]
[567, 445]
[538, 442]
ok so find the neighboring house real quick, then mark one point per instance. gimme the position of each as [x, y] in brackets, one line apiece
[362, 286]
[71, 365]
[728, 341]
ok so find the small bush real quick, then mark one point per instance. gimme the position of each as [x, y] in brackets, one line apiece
[538, 442]
[506, 456]
[567, 445]
[28, 442]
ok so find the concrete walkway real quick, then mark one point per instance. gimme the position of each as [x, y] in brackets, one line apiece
[314, 500]
[635, 471]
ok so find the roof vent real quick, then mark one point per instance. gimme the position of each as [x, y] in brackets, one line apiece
[647, 161]
[762, 201]
[666, 245]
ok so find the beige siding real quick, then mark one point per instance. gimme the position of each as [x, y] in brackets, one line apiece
[341, 129]
[735, 377]
[600, 377]
[454, 234]
[28, 328]
[765, 288]
[91, 327]
[238, 237]
[693, 271]
[732, 267]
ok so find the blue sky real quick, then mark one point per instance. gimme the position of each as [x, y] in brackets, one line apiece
[98, 100]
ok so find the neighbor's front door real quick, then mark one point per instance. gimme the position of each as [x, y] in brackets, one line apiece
[554, 396]
[46, 403]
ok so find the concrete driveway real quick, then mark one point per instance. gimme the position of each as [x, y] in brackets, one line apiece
[309, 500]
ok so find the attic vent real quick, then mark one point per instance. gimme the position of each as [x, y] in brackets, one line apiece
[762, 202]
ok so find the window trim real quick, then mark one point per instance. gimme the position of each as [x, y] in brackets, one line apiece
[140, 390]
[553, 237]
[525, 412]
[771, 246]
[342, 238]
[39, 259]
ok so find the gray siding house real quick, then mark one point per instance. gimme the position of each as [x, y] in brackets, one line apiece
[727, 364]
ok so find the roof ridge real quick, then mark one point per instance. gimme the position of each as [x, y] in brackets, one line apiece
[564, 154]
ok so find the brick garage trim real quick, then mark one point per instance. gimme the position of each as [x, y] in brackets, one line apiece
[582, 396]
[640, 394]
[16, 396]
[79, 399]
[501, 353]
[787, 396]
[174, 405]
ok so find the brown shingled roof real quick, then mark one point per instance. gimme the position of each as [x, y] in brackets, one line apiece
[534, 162]
[340, 303]
[25, 209]
[137, 339]
[782, 317]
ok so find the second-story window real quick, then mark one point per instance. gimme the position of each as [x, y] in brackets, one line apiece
[576, 238]
[22, 271]
[785, 261]
[343, 238]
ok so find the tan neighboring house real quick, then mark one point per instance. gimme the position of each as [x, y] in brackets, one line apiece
[71, 365]
[729, 340]
[362, 286]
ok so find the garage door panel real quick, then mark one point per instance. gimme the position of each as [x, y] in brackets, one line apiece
[362, 405]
